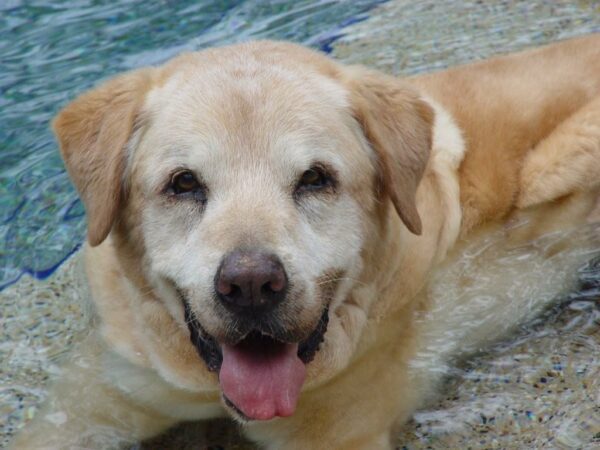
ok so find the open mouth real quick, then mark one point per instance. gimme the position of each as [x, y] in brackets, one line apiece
[260, 376]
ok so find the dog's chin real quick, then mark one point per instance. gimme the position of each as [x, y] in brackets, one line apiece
[260, 373]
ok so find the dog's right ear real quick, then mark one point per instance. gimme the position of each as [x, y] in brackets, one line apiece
[398, 124]
[93, 132]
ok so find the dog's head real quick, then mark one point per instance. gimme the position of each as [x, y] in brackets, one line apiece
[250, 183]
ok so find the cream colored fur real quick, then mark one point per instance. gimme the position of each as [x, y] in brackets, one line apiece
[464, 209]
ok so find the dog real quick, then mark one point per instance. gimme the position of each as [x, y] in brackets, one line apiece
[274, 236]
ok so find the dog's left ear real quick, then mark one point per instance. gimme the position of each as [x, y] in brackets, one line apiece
[398, 125]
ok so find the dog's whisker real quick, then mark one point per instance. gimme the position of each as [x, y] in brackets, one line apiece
[334, 280]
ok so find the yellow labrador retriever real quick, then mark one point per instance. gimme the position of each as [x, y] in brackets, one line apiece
[274, 236]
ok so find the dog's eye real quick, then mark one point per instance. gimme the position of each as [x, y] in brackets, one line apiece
[185, 182]
[314, 179]
[311, 178]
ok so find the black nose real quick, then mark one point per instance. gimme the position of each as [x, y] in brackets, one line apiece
[251, 279]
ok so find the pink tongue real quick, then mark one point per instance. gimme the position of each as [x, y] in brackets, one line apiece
[262, 380]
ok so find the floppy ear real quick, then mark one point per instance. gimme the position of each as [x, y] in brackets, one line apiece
[93, 132]
[398, 125]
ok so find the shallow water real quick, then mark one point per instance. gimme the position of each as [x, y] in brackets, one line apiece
[536, 389]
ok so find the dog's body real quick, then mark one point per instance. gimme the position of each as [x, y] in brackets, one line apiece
[491, 162]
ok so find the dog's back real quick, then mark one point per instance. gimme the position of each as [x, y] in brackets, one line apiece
[544, 101]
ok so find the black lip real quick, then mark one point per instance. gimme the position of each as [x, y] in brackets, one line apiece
[310, 346]
[238, 411]
[207, 347]
[210, 351]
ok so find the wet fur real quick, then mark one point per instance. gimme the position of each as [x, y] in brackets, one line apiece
[499, 153]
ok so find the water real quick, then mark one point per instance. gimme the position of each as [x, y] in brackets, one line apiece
[50, 51]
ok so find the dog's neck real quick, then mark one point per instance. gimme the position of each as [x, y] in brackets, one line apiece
[399, 262]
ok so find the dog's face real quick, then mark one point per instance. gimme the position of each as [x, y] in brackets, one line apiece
[250, 181]
[254, 192]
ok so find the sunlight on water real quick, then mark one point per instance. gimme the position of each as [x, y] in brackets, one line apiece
[542, 298]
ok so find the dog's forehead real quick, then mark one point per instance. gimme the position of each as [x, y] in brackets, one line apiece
[237, 94]
[245, 106]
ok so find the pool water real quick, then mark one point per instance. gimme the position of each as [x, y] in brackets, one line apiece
[50, 51]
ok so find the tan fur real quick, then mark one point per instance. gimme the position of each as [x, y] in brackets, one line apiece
[398, 125]
[506, 106]
[545, 176]
[503, 153]
[93, 133]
